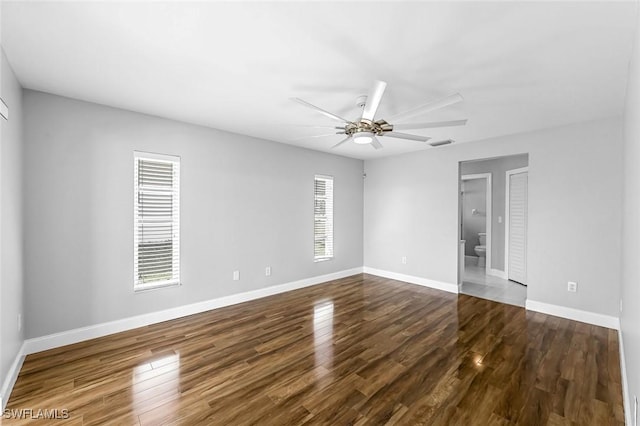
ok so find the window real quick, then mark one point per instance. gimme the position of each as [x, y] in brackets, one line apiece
[156, 230]
[323, 218]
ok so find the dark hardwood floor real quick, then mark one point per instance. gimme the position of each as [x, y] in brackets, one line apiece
[360, 350]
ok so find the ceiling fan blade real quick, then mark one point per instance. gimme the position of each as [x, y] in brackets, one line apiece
[431, 106]
[320, 110]
[318, 136]
[406, 136]
[376, 143]
[430, 125]
[311, 126]
[373, 100]
[341, 142]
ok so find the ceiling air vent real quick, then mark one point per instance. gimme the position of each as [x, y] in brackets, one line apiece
[440, 143]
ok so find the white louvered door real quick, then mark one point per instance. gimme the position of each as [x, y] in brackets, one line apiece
[517, 238]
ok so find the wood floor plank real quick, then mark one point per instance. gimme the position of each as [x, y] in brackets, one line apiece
[362, 350]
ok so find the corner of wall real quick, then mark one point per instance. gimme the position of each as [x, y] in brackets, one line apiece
[11, 231]
[630, 233]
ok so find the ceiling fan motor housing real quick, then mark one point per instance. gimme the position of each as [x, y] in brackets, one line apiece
[367, 126]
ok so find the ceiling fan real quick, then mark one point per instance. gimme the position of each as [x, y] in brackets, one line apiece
[366, 129]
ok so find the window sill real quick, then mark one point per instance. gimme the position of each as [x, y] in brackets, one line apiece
[322, 259]
[155, 286]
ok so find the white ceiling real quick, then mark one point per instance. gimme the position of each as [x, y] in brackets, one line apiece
[234, 66]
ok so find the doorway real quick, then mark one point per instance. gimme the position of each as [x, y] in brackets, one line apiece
[476, 218]
[493, 208]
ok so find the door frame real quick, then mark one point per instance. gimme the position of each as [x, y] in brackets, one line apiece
[507, 202]
[488, 215]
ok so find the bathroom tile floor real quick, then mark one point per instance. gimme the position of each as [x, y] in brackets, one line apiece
[476, 282]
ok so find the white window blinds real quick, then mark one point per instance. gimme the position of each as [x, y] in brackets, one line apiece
[156, 259]
[323, 218]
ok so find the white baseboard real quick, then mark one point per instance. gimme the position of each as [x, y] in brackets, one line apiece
[497, 273]
[55, 340]
[574, 314]
[12, 376]
[626, 398]
[439, 285]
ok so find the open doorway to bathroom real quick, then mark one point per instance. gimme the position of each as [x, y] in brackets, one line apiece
[493, 217]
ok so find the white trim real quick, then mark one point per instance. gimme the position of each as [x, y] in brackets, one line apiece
[475, 176]
[461, 263]
[507, 186]
[574, 314]
[488, 214]
[325, 177]
[425, 282]
[497, 273]
[626, 398]
[12, 376]
[55, 340]
[157, 156]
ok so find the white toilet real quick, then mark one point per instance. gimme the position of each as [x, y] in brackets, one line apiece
[481, 250]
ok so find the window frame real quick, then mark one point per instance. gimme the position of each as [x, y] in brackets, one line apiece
[328, 217]
[175, 218]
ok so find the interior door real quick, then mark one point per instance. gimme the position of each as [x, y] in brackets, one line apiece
[517, 239]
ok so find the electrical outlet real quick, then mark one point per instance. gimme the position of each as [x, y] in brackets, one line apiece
[404, 260]
[267, 271]
[572, 287]
[19, 322]
[236, 275]
[499, 219]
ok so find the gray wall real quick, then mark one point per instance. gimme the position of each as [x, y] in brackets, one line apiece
[630, 316]
[498, 168]
[575, 196]
[11, 276]
[474, 197]
[245, 204]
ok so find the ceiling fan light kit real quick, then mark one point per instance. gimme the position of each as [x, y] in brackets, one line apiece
[366, 129]
[363, 138]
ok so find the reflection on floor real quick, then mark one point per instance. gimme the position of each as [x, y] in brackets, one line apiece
[476, 282]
